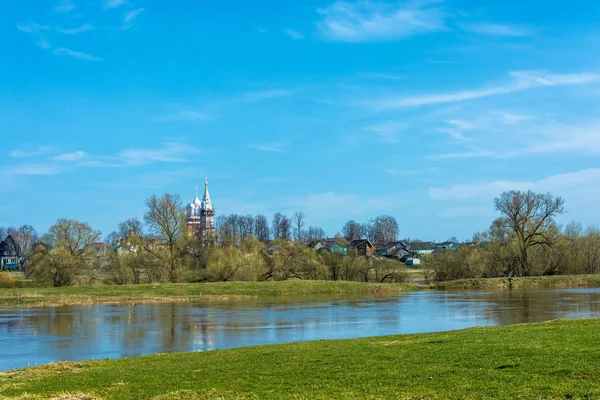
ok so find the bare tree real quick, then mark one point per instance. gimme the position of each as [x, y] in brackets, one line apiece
[24, 239]
[131, 226]
[353, 230]
[591, 250]
[3, 233]
[276, 225]
[315, 233]
[261, 228]
[166, 219]
[245, 225]
[383, 229]
[74, 236]
[112, 239]
[285, 228]
[529, 217]
[299, 220]
[69, 256]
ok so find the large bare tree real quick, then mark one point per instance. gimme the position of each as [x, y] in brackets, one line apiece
[24, 239]
[261, 228]
[74, 236]
[529, 217]
[66, 253]
[315, 233]
[165, 218]
[353, 230]
[299, 221]
[285, 229]
[383, 229]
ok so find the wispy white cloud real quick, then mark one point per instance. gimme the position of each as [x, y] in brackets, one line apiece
[389, 131]
[466, 154]
[114, 3]
[32, 28]
[77, 155]
[371, 21]
[452, 133]
[513, 119]
[31, 169]
[467, 211]
[550, 138]
[269, 147]
[293, 34]
[43, 44]
[64, 6]
[566, 138]
[80, 29]
[377, 75]
[75, 54]
[555, 184]
[412, 172]
[211, 109]
[461, 124]
[519, 81]
[185, 115]
[266, 94]
[321, 206]
[40, 151]
[497, 29]
[169, 152]
[131, 16]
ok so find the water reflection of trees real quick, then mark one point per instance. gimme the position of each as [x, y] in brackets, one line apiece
[522, 306]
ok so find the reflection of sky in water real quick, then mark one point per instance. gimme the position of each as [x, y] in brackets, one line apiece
[43, 335]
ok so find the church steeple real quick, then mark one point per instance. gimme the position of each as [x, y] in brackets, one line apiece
[206, 204]
[200, 217]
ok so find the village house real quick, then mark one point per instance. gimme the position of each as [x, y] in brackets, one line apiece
[395, 249]
[334, 247]
[9, 257]
[440, 247]
[363, 247]
[422, 248]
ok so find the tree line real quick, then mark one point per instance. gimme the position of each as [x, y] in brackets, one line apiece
[232, 228]
[525, 240]
[159, 249]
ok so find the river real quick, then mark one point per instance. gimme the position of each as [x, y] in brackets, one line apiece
[33, 336]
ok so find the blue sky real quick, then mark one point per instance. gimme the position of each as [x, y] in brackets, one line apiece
[424, 110]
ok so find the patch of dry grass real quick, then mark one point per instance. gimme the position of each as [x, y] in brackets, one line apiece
[529, 282]
[7, 280]
[187, 292]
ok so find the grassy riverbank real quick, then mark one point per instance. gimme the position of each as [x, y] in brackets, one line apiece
[529, 282]
[554, 360]
[185, 292]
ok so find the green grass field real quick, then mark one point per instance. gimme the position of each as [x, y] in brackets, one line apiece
[179, 292]
[556, 360]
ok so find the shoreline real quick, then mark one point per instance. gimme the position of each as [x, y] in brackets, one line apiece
[228, 291]
[527, 282]
[189, 292]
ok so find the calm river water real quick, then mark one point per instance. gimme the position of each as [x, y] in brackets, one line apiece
[40, 335]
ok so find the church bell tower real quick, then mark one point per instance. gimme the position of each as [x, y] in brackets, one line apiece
[201, 216]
